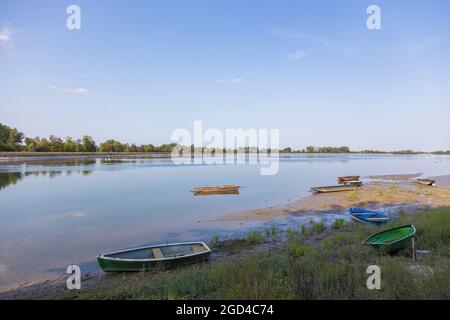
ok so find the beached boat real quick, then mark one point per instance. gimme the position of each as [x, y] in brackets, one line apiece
[391, 240]
[426, 182]
[359, 211]
[348, 178]
[338, 188]
[154, 257]
[352, 183]
[373, 218]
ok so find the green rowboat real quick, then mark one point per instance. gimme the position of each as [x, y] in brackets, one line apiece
[391, 240]
[154, 257]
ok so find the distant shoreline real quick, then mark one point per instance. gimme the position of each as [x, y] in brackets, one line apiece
[15, 157]
[26, 154]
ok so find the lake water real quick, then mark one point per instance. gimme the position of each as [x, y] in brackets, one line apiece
[53, 215]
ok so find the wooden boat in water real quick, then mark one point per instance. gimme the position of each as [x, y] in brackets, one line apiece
[391, 240]
[338, 188]
[348, 178]
[227, 189]
[211, 193]
[426, 182]
[230, 187]
[154, 257]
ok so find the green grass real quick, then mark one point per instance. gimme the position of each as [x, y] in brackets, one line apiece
[318, 227]
[338, 223]
[254, 237]
[215, 240]
[332, 266]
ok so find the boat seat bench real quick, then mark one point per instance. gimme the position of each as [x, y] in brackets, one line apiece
[198, 248]
[157, 253]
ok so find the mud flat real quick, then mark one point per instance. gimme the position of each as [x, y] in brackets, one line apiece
[388, 190]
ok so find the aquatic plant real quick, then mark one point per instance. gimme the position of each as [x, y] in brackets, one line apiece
[214, 241]
[338, 223]
[318, 227]
[253, 237]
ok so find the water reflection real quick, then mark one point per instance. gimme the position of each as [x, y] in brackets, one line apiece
[61, 162]
[11, 178]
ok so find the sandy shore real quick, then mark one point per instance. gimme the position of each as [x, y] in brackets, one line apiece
[383, 191]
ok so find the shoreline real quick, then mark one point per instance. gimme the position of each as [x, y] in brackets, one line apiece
[14, 157]
[255, 258]
[387, 191]
[30, 157]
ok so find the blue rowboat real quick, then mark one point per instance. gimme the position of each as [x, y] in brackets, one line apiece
[372, 218]
[359, 211]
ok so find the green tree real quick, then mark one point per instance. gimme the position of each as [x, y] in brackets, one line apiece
[88, 144]
[56, 144]
[310, 149]
[112, 146]
[344, 149]
[10, 138]
[70, 145]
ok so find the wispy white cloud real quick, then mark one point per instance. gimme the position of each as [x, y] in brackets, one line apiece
[6, 35]
[427, 43]
[316, 41]
[232, 81]
[290, 33]
[298, 54]
[236, 80]
[69, 214]
[76, 91]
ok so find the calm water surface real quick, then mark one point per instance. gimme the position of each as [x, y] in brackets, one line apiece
[57, 214]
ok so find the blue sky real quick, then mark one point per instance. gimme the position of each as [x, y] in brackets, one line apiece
[137, 70]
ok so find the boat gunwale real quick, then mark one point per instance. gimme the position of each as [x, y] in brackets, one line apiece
[334, 188]
[358, 217]
[224, 187]
[361, 211]
[392, 242]
[347, 178]
[426, 182]
[105, 257]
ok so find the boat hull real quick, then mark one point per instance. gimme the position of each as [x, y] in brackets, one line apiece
[426, 182]
[154, 257]
[372, 218]
[360, 211]
[219, 188]
[138, 266]
[339, 188]
[212, 193]
[348, 178]
[391, 240]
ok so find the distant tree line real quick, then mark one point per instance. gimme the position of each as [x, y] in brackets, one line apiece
[312, 149]
[12, 139]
